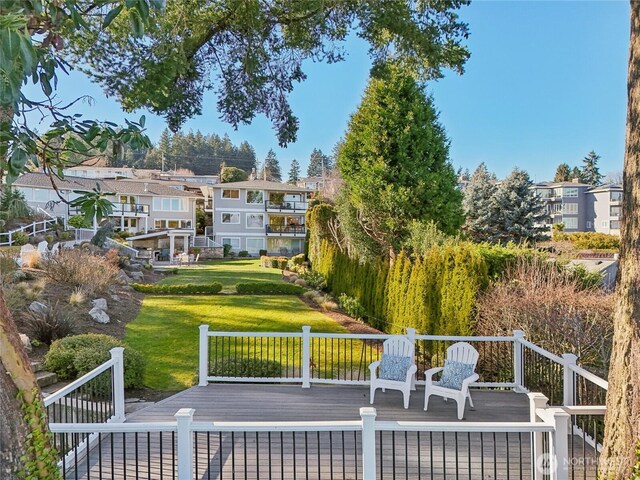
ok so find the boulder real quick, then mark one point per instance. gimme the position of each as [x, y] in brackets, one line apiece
[98, 315]
[123, 277]
[26, 342]
[135, 267]
[115, 298]
[137, 276]
[100, 303]
[38, 307]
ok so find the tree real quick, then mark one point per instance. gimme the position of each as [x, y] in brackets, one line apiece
[13, 204]
[575, 174]
[395, 163]
[319, 164]
[590, 173]
[517, 211]
[170, 68]
[563, 173]
[477, 204]
[622, 420]
[232, 174]
[271, 168]
[294, 172]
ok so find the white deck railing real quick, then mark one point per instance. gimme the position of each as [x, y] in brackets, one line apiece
[41, 226]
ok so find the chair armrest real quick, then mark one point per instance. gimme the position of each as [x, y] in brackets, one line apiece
[411, 372]
[374, 366]
[469, 380]
[428, 375]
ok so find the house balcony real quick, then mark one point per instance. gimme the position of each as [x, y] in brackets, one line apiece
[285, 206]
[120, 210]
[285, 230]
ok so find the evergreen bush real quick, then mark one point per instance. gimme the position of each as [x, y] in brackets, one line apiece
[269, 288]
[183, 289]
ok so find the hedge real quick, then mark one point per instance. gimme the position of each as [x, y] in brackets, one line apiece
[270, 287]
[184, 289]
[435, 294]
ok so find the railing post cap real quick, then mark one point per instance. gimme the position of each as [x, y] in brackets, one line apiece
[185, 413]
[570, 358]
[537, 397]
[116, 351]
[368, 412]
[204, 328]
[306, 328]
[518, 333]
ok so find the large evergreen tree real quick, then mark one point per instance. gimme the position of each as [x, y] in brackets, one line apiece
[590, 173]
[563, 173]
[517, 211]
[395, 163]
[294, 172]
[477, 204]
[319, 163]
[271, 168]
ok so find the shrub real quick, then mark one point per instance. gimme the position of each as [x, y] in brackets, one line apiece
[226, 248]
[50, 325]
[77, 221]
[7, 265]
[184, 289]
[314, 279]
[66, 236]
[297, 259]
[49, 238]
[590, 240]
[29, 294]
[81, 268]
[351, 306]
[327, 304]
[20, 238]
[263, 253]
[243, 254]
[244, 367]
[269, 287]
[74, 356]
[77, 297]
[31, 259]
[274, 262]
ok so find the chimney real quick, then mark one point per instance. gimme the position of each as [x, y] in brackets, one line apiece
[575, 180]
[146, 187]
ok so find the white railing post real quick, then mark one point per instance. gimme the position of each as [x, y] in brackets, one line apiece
[569, 384]
[306, 357]
[368, 415]
[117, 354]
[10, 239]
[537, 401]
[559, 444]
[411, 336]
[517, 359]
[203, 364]
[184, 418]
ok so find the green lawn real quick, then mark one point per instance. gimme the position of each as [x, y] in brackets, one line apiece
[166, 329]
[227, 272]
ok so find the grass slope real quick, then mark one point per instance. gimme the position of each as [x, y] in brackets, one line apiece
[227, 272]
[166, 330]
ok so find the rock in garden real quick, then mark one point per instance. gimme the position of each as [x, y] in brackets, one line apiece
[137, 276]
[99, 315]
[123, 277]
[100, 303]
[26, 342]
[292, 278]
[38, 307]
[115, 298]
[135, 267]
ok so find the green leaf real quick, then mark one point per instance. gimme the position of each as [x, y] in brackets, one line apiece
[143, 10]
[111, 16]
[142, 121]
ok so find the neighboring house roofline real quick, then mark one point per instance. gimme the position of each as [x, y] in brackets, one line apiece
[261, 185]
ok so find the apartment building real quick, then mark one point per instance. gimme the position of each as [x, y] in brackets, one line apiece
[581, 207]
[258, 215]
[138, 206]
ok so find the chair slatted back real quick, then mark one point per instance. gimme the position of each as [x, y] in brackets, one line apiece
[398, 346]
[464, 353]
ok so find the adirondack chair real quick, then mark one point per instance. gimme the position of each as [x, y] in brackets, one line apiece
[460, 352]
[397, 346]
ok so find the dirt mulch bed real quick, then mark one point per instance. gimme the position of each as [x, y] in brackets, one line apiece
[351, 324]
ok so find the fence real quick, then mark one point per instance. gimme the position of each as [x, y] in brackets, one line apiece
[41, 226]
[361, 449]
[122, 248]
[84, 234]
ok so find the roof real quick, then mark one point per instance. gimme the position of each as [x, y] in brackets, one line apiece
[606, 188]
[262, 185]
[561, 184]
[123, 187]
[161, 233]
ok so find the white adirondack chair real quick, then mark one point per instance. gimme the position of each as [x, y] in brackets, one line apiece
[459, 352]
[398, 346]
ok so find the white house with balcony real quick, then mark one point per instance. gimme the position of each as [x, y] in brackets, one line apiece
[257, 215]
[604, 204]
[139, 207]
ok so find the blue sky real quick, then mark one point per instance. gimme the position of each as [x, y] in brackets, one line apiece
[546, 83]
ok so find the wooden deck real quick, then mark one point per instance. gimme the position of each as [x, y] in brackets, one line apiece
[317, 455]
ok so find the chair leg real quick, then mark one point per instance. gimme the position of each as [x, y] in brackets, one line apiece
[426, 401]
[461, 403]
[372, 395]
[384, 390]
[405, 394]
[470, 400]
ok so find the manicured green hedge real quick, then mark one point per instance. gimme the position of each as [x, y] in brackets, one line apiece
[270, 287]
[184, 289]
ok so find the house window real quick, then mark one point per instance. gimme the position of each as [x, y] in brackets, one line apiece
[614, 212]
[255, 196]
[570, 223]
[27, 192]
[233, 241]
[233, 194]
[232, 218]
[161, 224]
[605, 224]
[615, 196]
[255, 220]
[589, 224]
[570, 208]
[254, 245]
[615, 225]
[570, 192]
[169, 204]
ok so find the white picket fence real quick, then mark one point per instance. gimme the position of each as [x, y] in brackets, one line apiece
[35, 228]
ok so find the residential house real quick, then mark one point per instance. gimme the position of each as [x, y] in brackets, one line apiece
[565, 203]
[311, 183]
[257, 215]
[139, 206]
[604, 205]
